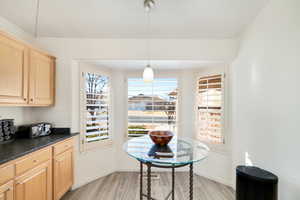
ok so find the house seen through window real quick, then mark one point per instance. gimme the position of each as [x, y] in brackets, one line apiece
[152, 106]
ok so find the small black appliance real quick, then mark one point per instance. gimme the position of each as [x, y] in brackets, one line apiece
[34, 130]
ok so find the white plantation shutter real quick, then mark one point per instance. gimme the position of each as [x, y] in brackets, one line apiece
[210, 98]
[95, 108]
[152, 106]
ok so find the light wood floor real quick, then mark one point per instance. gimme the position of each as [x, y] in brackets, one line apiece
[125, 186]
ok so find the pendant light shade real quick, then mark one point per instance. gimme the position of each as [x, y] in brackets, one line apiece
[148, 74]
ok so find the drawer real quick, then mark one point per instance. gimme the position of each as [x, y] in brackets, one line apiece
[33, 160]
[61, 147]
[6, 173]
[7, 191]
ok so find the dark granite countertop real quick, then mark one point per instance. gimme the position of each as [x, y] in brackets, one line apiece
[22, 146]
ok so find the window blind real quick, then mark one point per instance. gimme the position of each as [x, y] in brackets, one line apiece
[151, 106]
[210, 108]
[95, 107]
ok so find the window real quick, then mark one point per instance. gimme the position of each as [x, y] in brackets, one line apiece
[151, 106]
[95, 108]
[210, 109]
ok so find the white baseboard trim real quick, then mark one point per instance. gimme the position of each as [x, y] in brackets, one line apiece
[89, 180]
[217, 179]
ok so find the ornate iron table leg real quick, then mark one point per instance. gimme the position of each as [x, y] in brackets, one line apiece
[191, 181]
[149, 181]
[141, 181]
[173, 183]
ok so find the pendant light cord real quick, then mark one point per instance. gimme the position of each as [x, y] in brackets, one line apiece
[37, 18]
[148, 39]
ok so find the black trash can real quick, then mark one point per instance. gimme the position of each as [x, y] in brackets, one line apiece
[253, 183]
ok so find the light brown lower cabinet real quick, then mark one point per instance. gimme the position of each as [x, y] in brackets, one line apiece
[63, 173]
[35, 184]
[43, 175]
[7, 191]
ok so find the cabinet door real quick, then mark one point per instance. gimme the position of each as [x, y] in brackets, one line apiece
[7, 191]
[41, 87]
[35, 184]
[13, 72]
[63, 173]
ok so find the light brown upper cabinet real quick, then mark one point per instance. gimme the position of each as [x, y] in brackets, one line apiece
[41, 79]
[13, 72]
[27, 75]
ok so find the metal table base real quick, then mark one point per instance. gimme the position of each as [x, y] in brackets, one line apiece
[172, 193]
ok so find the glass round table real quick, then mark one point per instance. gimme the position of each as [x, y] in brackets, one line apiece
[179, 152]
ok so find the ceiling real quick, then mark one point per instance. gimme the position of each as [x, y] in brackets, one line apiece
[127, 19]
[155, 64]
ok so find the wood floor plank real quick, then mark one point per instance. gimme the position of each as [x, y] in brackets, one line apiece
[125, 186]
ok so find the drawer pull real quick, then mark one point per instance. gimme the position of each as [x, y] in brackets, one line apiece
[62, 147]
[32, 160]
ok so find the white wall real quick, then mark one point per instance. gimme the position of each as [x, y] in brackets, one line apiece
[266, 95]
[223, 50]
[218, 164]
[69, 51]
[13, 113]
[93, 164]
[15, 31]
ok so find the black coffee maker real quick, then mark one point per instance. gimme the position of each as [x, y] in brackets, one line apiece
[7, 130]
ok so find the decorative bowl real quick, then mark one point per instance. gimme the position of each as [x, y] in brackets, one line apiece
[161, 138]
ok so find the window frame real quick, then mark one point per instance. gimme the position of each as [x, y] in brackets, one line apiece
[215, 147]
[84, 145]
[164, 74]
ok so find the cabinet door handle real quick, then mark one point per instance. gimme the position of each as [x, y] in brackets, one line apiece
[31, 99]
[25, 99]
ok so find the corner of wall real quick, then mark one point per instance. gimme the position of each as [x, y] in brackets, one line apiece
[15, 31]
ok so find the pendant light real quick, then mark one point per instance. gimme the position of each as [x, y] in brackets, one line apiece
[148, 74]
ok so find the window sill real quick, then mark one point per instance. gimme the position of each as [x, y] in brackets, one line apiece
[96, 146]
